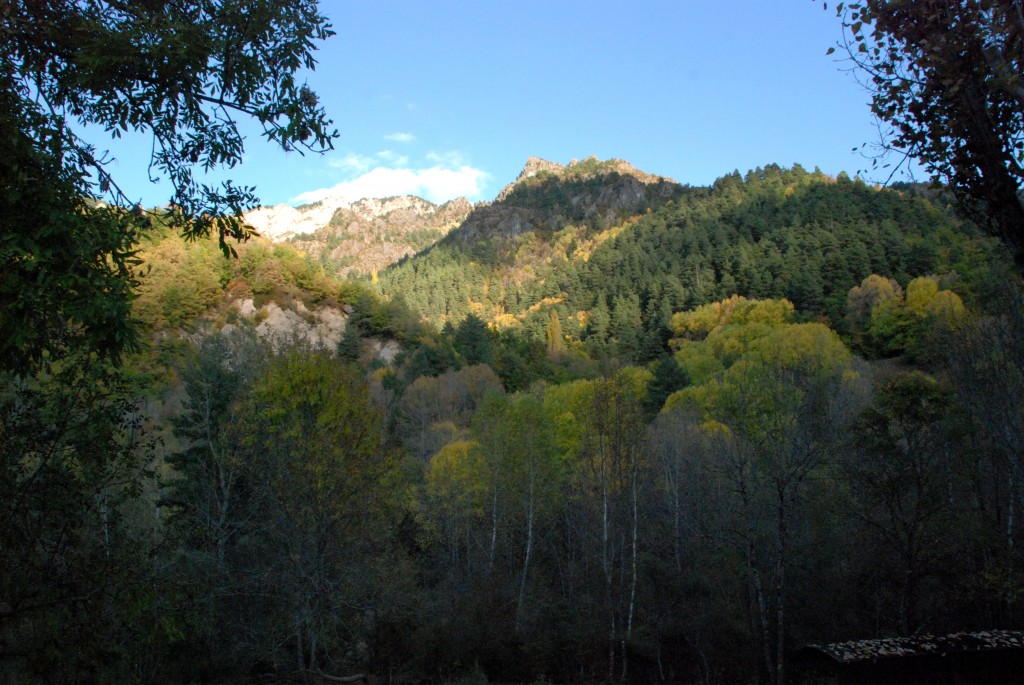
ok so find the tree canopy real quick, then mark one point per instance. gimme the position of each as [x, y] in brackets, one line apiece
[179, 72]
[947, 82]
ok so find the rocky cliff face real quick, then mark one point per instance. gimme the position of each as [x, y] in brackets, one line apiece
[533, 167]
[364, 235]
[590, 167]
[281, 222]
[372, 234]
[319, 328]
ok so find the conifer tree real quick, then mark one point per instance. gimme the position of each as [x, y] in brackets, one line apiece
[474, 341]
[349, 344]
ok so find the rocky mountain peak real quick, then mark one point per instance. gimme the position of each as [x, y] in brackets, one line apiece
[550, 195]
[534, 166]
[621, 167]
[282, 222]
[371, 233]
[586, 168]
[373, 207]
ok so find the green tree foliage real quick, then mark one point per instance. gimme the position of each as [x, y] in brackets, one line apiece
[668, 377]
[434, 408]
[947, 84]
[68, 269]
[280, 271]
[903, 475]
[181, 281]
[350, 344]
[863, 298]
[985, 362]
[723, 333]
[736, 310]
[474, 341]
[599, 321]
[180, 74]
[76, 586]
[206, 493]
[610, 469]
[309, 441]
[457, 496]
[281, 460]
[782, 407]
[884, 322]
[492, 501]
[212, 504]
[771, 234]
[520, 474]
[430, 358]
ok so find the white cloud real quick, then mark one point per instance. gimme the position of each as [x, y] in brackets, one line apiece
[393, 158]
[400, 137]
[450, 158]
[437, 183]
[352, 162]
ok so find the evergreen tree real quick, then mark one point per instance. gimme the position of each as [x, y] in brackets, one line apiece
[350, 344]
[430, 359]
[599, 320]
[474, 341]
[668, 378]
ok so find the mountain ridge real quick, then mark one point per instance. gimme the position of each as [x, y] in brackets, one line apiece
[546, 195]
[370, 234]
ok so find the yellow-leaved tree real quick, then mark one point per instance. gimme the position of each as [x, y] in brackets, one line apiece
[775, 402]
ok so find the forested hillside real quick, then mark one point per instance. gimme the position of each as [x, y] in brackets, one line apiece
[607, 429]
[611, 429]
[615, 277]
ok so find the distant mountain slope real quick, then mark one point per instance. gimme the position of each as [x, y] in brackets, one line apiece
[547, 196]
[608, 249]
[360, 236]
[615, 251]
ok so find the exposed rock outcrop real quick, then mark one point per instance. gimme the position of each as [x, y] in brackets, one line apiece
[281, 222]
[320, 328]
[534, 166]
[365, 235]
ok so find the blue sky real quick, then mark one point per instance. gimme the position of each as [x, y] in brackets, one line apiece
[445, 98]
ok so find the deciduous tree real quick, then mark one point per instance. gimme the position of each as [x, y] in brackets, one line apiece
[310, 441]
[72, 458]
[779, 411]
[947, 82]
[180, 73]
[903, 476]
